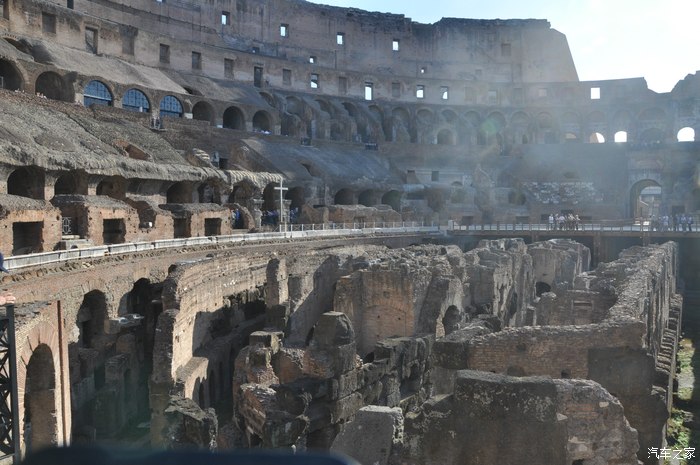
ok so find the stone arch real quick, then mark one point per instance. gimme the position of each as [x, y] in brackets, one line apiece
[325, 106]
[41, 414]
[97, 93]
[445, 137]
[472, 128]
[209, 192]
[541, 287]
[296, 195]
[652, 136]
[113, 186]
[639, 208]
[351, 109]
[393, 199]
[54, 87]
[596, 138]
[622, 121]
[449, 116]
[686, 134]
[27, 181]
[270, 196]
[73, 182]
[234, 118]
[135, 100]
[652, 114]
[294, 105]
[425, 116]
[368, 198]
[620, 136]
[171, 107]
[11, 76]
[520, 128]
[179, 192]
[571, 126]
[242, 192]
[546, 128]
[262, 122]
[344, 197]
[401, 125]
[203, 111]
[269, 99]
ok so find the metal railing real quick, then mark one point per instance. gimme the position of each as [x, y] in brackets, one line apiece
[600, 225]
[289, 231]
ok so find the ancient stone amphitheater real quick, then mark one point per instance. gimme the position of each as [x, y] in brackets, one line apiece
[270, 223]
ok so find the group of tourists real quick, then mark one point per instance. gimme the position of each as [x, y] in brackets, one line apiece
[677, 222]
[562, 222]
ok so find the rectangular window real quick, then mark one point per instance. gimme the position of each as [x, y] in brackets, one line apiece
[342, 85]
[287, 77]
[505, 50]
[164, 53]
[595, 93]
[313, 82]
[493, 97]
[69, 4]
[396, 89]
[284, 30]
[444, 93]
[420, 91]
[91, 40]
[423, 69]
[435, 176]
[48, 23]
[312, 59]
[196, 60]
[5, 8]
[257, 76]
[369, 90]
[340, 38]
[228, 68]
[518, 95]
[128, 35]
[542, 93]
[225, 18]
[395, 45]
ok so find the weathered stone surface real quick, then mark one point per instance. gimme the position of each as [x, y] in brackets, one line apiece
[370, 436]
[187, 425]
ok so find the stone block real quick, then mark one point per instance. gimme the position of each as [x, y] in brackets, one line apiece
[377, 429]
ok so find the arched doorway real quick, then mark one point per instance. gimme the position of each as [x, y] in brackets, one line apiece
[53, 86]
[40, 415]
[113, 186]
[180, 192]
[392, 198]
[645, 199]
[234, 119]
[10, 78]
[344, 197]
[135, 100]
[262, 122]
[70, 183]
[203, 111]
[26, 182]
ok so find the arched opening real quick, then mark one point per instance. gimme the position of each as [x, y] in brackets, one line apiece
[97, 93]
[652, 136]
[393, 199]
[541, 288]
[27, 181]
[596, 138]
[645, 199]
[171, 107]
[201, 398]
[234, 119]
[113, 186]
[262, 122]
[621, 136]
[180, 192]
[209, 192]
[368, 198]
[203, 111]
[570, 137]
[211, 381]
[40, 413]
[135, 100]
[296, 195]
[269, 99]
[53, 86]
[10, 78]
[686, 134]
[445, 137]
[271, 199]
[241, 193]
[70, 183]
[344, 197]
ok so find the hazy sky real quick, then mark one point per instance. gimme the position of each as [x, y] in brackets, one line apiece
[609, 39]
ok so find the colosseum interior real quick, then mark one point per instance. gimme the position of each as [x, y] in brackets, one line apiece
[281, 225]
